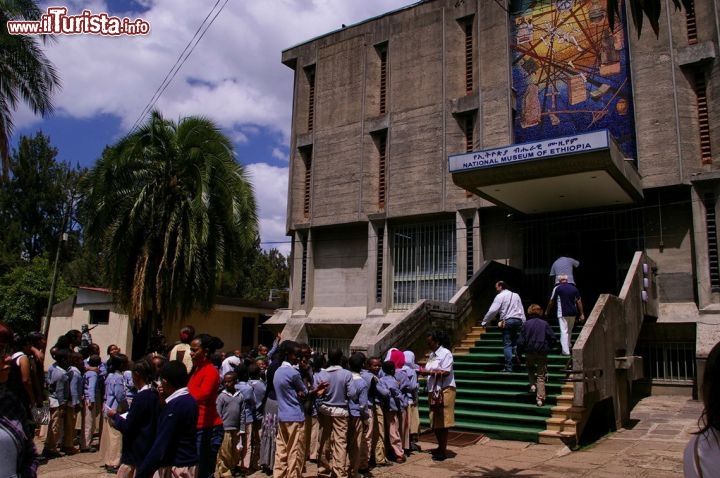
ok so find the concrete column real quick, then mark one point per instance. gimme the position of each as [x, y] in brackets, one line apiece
[295, 271]
[479, 257]
[310, 271]
[461, 255]
[372, 266]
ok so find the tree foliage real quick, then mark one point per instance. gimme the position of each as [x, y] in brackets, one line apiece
[26, 74]
[24, 292]
[257, 275]
[171, 210]
[37, 203]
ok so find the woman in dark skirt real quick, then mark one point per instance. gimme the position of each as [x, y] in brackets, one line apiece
[270, 418]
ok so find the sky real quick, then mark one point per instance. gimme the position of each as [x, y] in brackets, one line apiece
[233, 76]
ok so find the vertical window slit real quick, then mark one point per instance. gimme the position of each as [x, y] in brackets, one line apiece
[712, 240]
[382, 168]
[703, 120]
[383, 53]
[691, 24]
[379, 262]
[311, 97]
[307, 160]
[470, 257]
[468, 55]
[303, 279]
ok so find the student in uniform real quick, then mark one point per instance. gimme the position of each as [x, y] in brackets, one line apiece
[173, 453]
[138, 426]
[231, 409]
[290, 393]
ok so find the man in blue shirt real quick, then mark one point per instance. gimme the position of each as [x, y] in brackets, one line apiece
[564, 265]
[569, 305]
[291, 392]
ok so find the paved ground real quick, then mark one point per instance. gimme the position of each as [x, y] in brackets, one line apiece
[652, 448]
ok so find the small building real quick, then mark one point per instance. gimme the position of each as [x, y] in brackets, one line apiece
[238, 322]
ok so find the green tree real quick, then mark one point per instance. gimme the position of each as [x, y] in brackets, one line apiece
[24, 294]
[171, 210]
[37, 203]
[26, 74]
[260, 272]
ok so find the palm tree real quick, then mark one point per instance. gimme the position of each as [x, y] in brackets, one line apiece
[171, 209]
[25, 72]
[650, 8]
[638, 8]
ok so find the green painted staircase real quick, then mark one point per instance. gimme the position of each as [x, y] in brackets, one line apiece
[499, 404]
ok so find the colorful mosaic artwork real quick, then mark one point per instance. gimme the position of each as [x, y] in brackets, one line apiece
[570, 72]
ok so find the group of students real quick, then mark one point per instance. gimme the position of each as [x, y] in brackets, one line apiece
[195, 413]
[348, 414]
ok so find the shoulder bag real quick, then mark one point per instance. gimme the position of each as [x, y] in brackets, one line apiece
[436, 399]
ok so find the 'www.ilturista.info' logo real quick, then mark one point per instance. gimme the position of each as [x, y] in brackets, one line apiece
[57, 21]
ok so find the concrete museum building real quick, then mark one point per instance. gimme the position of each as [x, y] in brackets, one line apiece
[445, 145]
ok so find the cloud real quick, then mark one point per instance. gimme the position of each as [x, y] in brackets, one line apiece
[234, 75]
[278, 153]
[271, 185]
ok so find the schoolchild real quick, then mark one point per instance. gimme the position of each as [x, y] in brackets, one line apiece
[173, 452]
[413, 430]
[397, 357]
[230, 407]
[378, 394]
[258, 388]
[310, 406]
[248, 394]
[333, 414]
[111, 440]
[92, 400]
[138, 425]
[74, 404]
[359, 417]
[58, 394]
[290, 393]
[393, 410]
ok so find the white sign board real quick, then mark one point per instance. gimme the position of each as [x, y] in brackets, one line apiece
[514, 153]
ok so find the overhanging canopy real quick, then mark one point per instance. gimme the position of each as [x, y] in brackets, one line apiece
[572, 172]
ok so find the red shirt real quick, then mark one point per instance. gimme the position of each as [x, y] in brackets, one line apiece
[203, 386]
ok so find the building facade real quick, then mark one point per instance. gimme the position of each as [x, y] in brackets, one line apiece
[381, 219]
[239, 322]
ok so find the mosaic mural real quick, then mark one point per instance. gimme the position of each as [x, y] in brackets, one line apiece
[570, 72]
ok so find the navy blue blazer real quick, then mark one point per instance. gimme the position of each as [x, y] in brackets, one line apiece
[138, 429]
[175, 442]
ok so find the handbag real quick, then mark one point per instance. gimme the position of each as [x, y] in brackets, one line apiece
[436, 399]
[41, 415]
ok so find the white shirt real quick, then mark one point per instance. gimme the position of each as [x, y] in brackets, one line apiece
[177, 393]
[229, 364]
[709, 452]
[441, 359]
[508, 304]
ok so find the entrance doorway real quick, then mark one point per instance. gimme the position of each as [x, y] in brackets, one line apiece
[602, 241]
